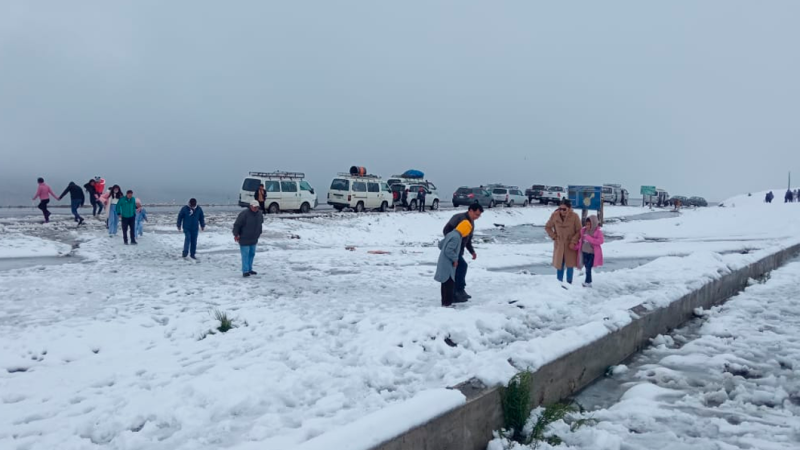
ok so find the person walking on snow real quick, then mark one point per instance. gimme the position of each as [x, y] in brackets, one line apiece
[448, 263]
[192, 220]
[110, 199]
[100, 188]
[261, 198]
[404, 198]
[421, 199]
[246, 231]
[126, 209]
[76, 200]
[589, 248]
[43, 193]
[91, 191]
[789, 197]
[564, 229]
[141, 218]
[473, 213]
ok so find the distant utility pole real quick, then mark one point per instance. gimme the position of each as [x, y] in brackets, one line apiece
[790, 181]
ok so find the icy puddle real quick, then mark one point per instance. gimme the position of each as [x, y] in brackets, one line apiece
[22, 263]
[728, 379]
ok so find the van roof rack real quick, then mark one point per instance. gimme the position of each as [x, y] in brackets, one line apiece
[348, 174]
[278, 174]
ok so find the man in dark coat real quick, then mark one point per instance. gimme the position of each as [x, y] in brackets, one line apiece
[192, 220]
[246, 231]
[473, 213]
[76, 200]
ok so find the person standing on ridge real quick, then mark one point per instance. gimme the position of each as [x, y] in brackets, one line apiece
[43, 193]
[246, 231]
[192, 220]
[564, 229]
[473, 213]
[126, 209]
[76, 200]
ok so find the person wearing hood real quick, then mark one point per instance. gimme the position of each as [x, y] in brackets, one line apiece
[448, 261]
[43, 193]
[246, 231]
[564, 229]
[76, 200]
[141, 217]
[192, 220]
[589, 248]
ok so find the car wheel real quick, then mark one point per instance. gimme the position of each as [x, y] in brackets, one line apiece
[384, 206]
[273, 208]
[491, 204]
[510, 204]
[435, 205]
[413, 205]
[305, 208]
[542, 201]
[360, 207]
[525, 205]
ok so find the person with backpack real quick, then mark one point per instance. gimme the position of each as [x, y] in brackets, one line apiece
[76, 200]
[447, 265]
[421, 199]
[473, 213]
[43, 193]
[192, 220]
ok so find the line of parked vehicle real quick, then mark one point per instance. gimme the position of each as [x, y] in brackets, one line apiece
[359, 191]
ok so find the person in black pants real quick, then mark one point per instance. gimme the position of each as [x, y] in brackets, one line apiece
[421, 199]
[126, 208]
[91, 191]
[473, 213]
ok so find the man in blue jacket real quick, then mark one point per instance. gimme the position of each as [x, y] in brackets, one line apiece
[192, 220]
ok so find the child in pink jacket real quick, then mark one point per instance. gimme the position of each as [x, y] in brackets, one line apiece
[590, 250]
[43, 193]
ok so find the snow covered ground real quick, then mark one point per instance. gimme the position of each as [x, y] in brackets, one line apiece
[108, 353]
[730, 381]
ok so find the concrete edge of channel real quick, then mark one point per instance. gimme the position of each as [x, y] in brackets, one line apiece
[470, 426]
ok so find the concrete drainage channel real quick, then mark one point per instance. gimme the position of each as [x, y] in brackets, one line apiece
[470, 426]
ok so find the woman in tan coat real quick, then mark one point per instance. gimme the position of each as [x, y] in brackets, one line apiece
[564, 228]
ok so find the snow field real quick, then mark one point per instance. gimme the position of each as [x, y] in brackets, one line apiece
[733, 385]
[107, 354]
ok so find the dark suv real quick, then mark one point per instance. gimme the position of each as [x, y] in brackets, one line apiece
[466, 196]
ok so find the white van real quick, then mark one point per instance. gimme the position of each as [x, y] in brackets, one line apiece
[285, 191]
[359, 192]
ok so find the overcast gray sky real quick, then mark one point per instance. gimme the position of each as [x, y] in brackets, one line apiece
[181, 97]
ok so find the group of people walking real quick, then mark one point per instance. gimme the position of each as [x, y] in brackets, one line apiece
[573, 246]
[124, 209]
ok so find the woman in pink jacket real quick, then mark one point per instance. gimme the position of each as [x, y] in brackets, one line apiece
[43, 193]
[589, 248]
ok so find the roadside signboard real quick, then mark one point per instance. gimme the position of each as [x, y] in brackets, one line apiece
[586, 197]
[648, 191]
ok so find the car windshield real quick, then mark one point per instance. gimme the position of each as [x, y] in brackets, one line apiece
[606, 190]
[556, 189]
[499, 191]
[340, 185]
[538, 187]
[464, 191]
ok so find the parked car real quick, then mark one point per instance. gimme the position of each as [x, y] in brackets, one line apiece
[285, 191]
[684, 201]
[553, 194]
[509, 196]
[660, 199]
[535, 192]
[465, 196]
[613, 194]
[359, 192]
[697, 201]
[431, 195]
